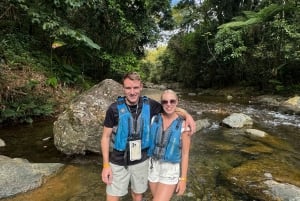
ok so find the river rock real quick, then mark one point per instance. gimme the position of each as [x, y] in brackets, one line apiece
[237, 120]
[284, 191]
[270, 100]
[18, 175]
[78, 128]
[251, 177]
[291, 105]
[202, 123]
[255, 132]
[2, 143]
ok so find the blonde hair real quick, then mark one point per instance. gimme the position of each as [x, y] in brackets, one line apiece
[170, 91]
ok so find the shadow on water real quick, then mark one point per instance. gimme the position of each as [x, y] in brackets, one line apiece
[33, 142]
[215, 152]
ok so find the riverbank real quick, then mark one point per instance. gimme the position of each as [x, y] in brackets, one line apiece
[28, 95]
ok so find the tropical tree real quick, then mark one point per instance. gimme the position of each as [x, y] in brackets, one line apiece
[222, 43]
[89, 35]
[270, 36]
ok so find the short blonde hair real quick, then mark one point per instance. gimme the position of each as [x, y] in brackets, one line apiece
[131, 76]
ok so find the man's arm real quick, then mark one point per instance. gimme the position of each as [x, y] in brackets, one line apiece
[105, 142]
[189, 121]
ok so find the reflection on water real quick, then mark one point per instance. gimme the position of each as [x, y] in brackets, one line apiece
[33, 142]
[216, 154]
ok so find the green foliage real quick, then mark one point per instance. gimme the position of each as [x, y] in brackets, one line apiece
[277, 85]
[225, 43]
[75, 36]
[15, 48]
[23, 102]
[252, 18]
[72, 41]
[229, 44]
[151, 65]
[59, 30]
[52, 81]
[89, 30]
[122, 64]
[31, 84]
[25, 109]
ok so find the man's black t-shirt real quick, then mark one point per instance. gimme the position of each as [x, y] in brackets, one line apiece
[111, 121]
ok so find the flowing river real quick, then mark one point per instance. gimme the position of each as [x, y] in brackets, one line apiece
[217, 153]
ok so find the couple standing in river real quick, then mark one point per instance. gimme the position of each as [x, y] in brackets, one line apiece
[144, 140]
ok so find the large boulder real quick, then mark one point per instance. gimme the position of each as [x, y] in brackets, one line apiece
[79, 127]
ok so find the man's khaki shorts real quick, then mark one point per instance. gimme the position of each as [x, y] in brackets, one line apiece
[136, 175]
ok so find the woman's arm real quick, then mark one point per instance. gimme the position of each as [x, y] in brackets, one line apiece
[186, 141]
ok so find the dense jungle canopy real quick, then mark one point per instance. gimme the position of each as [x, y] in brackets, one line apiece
[77, 43]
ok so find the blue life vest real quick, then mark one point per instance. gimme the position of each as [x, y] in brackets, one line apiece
[128, 129]
[166, 145]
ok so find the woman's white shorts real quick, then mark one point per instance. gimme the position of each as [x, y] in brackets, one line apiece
[163, 172]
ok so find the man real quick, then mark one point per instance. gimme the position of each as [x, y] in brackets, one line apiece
[127, 126]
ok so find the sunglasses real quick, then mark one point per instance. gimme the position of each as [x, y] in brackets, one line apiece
[165, 102]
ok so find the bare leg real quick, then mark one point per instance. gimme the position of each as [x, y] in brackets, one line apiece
[153, 187]
[163, 192]
[136, 196]
[112, 198]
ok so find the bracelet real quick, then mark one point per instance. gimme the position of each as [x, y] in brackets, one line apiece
[182, 179]
[106, 165]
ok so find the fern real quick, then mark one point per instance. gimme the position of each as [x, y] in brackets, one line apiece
[251, 18]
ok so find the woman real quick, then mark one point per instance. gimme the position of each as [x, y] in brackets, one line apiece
[169, 151]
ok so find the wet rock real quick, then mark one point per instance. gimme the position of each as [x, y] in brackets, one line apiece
[222, 146]
[237, 120]
[229, 97]
[79, 127]
[72, 183]
[18, 175]
[274, 142]
[251, 177]
[2, 143]
[291, 105]
[265, 144]
[268, 175]
[257, 149]
[256, 132]
[202, 123]
[270, 100]
[284, 191]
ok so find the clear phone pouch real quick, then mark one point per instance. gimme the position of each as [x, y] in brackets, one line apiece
[135, 150]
